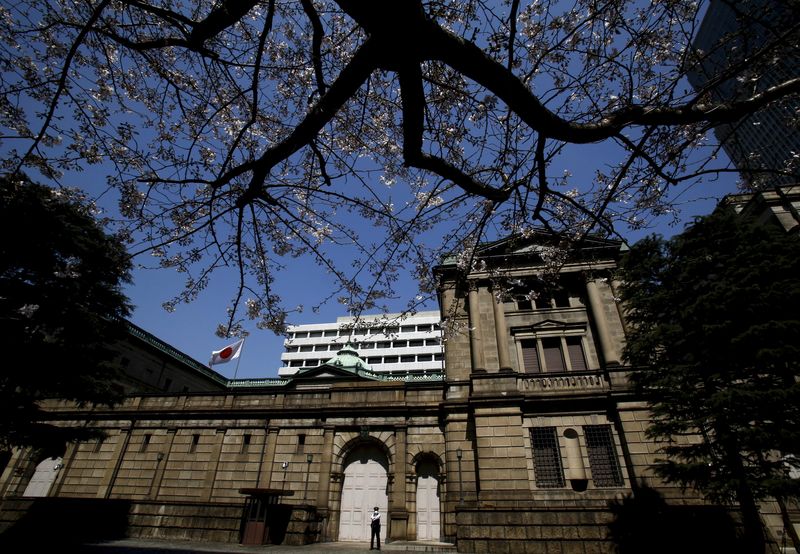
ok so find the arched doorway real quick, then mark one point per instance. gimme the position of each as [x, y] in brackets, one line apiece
[43, 478]
[428, 528]
[363, 488]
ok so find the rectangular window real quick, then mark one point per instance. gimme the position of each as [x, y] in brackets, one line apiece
[544, 301]
[390, 359]
[400, 343]
[433, 342]
[301, 442]
[307, 348]
[145, 443]
[315, 334]
[561, 298]
[577, 360]
[98, 445]
[291, 349]
[384, 345]
[374, 360]
[547, 458]
[424, 328]
[331, 333]
[524, 304]
[553, 360]
[437, 357]
[321, 348]
[425, 358]
[245, 443]
[408, 328]
[390, 331]
[406, 359]
[195, 442]
[530, 357]
[418, 342]
[302, 335]
[602, 456]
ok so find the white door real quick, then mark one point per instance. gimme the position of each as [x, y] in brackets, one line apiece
[43, 477]
[364, 488]
[427, 508]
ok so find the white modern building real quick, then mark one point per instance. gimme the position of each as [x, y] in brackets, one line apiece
[389, 343]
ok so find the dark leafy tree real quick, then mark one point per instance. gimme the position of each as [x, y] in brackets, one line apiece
[715, 338]
[61, 279]
[242, 133]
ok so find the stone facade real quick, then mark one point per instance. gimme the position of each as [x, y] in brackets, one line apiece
[532, 436]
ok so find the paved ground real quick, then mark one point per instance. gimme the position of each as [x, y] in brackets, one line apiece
[132, 546]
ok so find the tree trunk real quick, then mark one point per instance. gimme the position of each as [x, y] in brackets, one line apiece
[787, 524]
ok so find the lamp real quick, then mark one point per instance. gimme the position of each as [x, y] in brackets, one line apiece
[309, 459]
[460, 482]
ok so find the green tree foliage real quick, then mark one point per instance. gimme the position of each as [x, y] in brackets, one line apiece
[60, 299]
[715, 334]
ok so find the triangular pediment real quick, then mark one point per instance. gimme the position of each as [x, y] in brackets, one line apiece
[538, 242]
[549, 325]
[332, 372]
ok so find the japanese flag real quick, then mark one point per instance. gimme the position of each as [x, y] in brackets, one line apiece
[227, 354]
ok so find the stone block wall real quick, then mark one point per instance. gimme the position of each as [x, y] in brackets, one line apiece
[534, 531]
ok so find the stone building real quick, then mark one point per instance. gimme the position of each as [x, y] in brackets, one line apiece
[530, 440]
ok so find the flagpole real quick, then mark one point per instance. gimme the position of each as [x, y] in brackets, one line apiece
[238, 359]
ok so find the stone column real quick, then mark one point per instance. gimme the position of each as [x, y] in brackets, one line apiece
[107, 483]
[162, 463]
[501, 332]
[69, 456]
[475, 346]
[213, 464]
[325, 469]
[607, 346]
[265, 479]
[398, 527]
[11, 473]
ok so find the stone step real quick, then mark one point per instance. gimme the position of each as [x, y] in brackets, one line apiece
[420, 546]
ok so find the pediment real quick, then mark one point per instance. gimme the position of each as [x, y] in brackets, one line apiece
[549, 325]
[330, 372]
[539, 241]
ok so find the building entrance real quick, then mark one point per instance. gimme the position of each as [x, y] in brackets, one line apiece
[364, 487]
[427, 502]
[43, 477]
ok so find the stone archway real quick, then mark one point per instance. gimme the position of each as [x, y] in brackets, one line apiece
[43, 477]
[363, 487]
[428, 505]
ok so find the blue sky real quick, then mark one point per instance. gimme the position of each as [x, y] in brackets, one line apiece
[191, 327]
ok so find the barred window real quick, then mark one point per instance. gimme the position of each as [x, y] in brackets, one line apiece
[602, 456]
[547, 458]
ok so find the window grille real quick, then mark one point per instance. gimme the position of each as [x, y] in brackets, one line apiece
[602, 456]
[547, 458]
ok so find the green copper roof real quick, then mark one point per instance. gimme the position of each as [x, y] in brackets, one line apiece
[347, 358]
